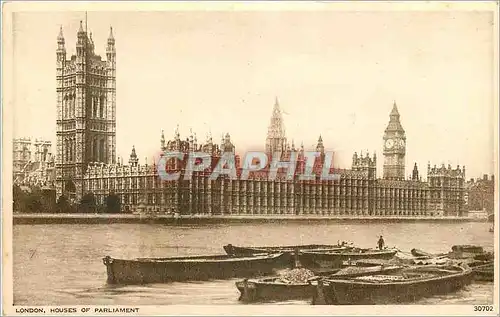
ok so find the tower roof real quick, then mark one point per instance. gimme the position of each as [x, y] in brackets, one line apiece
[394, 123]
[133, 154]
[80, 30]
[60, 37]
[394, 111]
[111, 38]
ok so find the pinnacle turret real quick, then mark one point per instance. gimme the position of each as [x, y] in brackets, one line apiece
[61, 49]
[320, 147]
[110, 49]
[414, 174]
[80, 30]
[60, 37]
[111, 38]
[133, 160]
[162, 140]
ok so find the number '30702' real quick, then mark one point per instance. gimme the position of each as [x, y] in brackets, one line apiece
[483, 308]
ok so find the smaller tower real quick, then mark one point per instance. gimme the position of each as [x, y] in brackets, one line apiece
[61, 48]
[365, 164]
[354, 159]
[320, 147]
[227, 145]
[133, 161]
[110, 49]
[110, 99]
[276, 140]
[162, 141]
[414, 175]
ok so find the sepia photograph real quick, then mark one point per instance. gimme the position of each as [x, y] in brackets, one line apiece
[249, 156]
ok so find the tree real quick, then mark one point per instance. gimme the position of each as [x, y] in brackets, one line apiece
[33, 203]
[63, 205]
[48, 200]
[18, 197]
[87, 203]
[113, 204]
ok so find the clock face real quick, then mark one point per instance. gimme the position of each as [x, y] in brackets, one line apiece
[402, 143]
[389, 143]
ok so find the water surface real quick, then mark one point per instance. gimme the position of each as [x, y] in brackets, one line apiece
[62, 264]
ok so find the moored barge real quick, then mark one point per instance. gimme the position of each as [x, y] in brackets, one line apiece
[410, 285]
[280, 288]
[162, 270]
[248, 250]
[336, 258]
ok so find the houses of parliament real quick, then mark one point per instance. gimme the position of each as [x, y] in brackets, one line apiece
[86, 161]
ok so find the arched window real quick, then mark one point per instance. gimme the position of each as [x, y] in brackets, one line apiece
[71, 150]
[65, 107]
[94, 107]
[101, 150]
[94, 150]
[91, 150]
[68, 106]
[68, 146]
[65, 150]
[101, 105]
[73, 105]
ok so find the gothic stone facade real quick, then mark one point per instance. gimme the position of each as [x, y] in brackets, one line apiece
[33, 163]
[357, 193]
[86, 139]
[481, 194]
[86, 111]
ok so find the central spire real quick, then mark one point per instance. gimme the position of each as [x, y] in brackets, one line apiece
[276, 139]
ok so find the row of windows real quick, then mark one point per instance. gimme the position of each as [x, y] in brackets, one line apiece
[96, 82]
[157, 199]
[98, 126]
[446, 182]
[155, 182]
[68, 125]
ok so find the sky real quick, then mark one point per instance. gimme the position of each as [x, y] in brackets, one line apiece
[335, 73]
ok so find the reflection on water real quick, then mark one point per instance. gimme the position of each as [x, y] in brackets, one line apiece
[62, 264]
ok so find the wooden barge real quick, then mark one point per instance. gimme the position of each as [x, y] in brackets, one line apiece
[242, 250]
[278, 288]
[162, 270]
[337, 258]
[410, 285]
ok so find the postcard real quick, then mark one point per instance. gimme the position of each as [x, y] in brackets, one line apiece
[250, 158]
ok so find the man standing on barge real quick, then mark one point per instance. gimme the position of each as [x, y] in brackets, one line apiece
[381, 243]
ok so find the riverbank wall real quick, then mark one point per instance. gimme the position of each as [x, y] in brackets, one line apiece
[19, 219]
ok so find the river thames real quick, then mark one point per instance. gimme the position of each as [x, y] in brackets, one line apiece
[61, 264]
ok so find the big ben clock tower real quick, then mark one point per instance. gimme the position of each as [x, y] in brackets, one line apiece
[394, 147]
